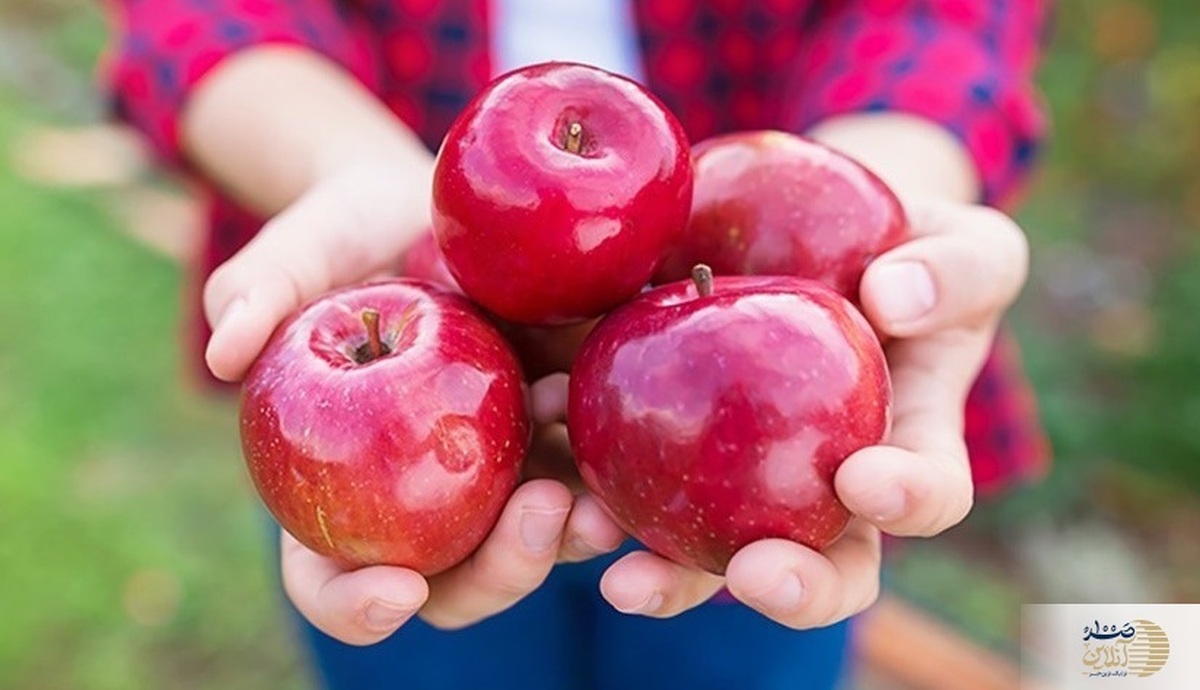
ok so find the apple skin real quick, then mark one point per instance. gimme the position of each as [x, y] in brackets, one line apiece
[423, 261]
[540, 234]
[542, 350]
[407, 459]
[773, 203]
[705, 423]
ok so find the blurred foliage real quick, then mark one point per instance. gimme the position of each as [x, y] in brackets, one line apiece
[133, 556]
[1108, 323]
[1109, 317]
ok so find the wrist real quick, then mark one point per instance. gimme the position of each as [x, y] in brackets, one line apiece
[271, 122]
[391, 194]
[916, 157]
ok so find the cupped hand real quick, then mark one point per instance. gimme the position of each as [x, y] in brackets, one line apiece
[353, 227]
[938, 298]
[541, 525]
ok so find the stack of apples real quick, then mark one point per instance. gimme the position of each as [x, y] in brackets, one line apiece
[703, 300]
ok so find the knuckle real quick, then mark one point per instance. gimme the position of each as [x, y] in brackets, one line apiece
[507, 580]
[953, 503]
[679, 601]
[1008, 249]
[515, 585]
[220, 286]
[868, 595]
[957, 511]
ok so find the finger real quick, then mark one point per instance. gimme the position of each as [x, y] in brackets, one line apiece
[590, 531]
[311, 247]
[550, 457]
[650, 585]
[920, 483]
[966, 267]
[801, 588]
[549, 398]
[512, 562]
[358, 607]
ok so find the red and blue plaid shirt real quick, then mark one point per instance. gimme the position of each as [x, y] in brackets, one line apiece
[720, 65]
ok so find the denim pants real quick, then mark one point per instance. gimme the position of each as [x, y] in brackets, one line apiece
[565, 636]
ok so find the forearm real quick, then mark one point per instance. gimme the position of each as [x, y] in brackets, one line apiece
[270, 122]
[915, 157]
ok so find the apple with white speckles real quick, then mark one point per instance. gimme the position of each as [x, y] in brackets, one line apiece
[773, 203]
[386, 424]
[557, 191]
[712, 413]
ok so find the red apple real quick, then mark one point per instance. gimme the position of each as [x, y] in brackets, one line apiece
[556, 192]
[541, 350]
[772, 203]
[386, 424]
[707, 416]
[423, 261]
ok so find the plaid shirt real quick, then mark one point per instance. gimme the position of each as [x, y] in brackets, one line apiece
[720, 65]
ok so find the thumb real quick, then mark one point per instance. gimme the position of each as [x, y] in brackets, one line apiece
[966, 267]
[333, 236]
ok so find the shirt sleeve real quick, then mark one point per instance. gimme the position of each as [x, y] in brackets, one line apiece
[965, 64]
[161, 49]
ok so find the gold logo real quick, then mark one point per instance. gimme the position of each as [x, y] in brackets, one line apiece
[1138, 648]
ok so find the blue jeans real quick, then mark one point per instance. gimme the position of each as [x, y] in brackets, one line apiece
[565, 636]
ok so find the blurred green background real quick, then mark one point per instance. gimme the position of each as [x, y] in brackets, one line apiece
[132, 554]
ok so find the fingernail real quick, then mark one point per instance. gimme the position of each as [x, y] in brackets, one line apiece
[903, 291]
[382, 616]
[649, 605]
[540, 529]
[787, 595]
[231, 310]
[885, 506]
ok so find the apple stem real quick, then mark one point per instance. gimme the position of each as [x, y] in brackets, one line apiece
[702, 276]
[574, 142]
[375, 348]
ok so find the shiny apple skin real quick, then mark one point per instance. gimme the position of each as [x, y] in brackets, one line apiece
[706, 423]
[773, 203]
[406, 460]
[541, 350]
[540, 235]
[423, 261]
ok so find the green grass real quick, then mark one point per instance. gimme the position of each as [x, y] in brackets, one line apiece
[114, 473]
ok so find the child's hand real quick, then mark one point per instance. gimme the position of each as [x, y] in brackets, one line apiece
[346, 229]
[349, 228]
[940, 296]
[540, 525]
